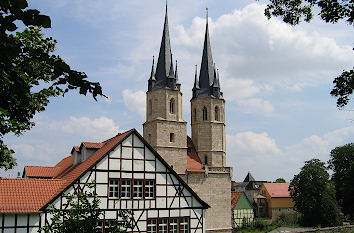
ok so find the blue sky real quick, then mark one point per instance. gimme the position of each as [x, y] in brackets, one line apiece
[276, 79]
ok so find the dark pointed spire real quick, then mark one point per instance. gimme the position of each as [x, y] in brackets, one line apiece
[196, 83]
[165, 76]
[208, 78]
[178, 85]
[206, 75]
[152, 79]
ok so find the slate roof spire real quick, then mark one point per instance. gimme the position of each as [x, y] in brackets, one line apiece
[196, 83]
[152, 79]
[208, 78]
[165, 76]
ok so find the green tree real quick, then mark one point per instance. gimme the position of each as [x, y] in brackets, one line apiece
[280, 180]
[313, 195]
[342, 163]
[82, 214]
[331, 11]
[29, 72]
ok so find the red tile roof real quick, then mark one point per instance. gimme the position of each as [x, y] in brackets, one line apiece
[95, 145]
[42, 172]
[235, 196]
[26, 195]
[277, 189]
[193, 161]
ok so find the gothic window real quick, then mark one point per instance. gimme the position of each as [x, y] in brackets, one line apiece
[205, 114]
[205, 160]
[195, 114]
[172, 106]
[216, 113]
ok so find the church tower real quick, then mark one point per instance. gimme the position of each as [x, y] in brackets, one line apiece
[164, 128]
[208, 111]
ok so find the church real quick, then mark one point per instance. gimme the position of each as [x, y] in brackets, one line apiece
[170, 181]
[200, 159]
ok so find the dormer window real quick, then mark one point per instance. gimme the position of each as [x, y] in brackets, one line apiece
[172, 106]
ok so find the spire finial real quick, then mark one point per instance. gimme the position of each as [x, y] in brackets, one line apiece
[207, 14]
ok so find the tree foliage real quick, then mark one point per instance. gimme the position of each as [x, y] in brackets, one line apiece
[313, 195]
[331, 11]
[82, 214]
[29, 72]
[280, 180]
[342, 163]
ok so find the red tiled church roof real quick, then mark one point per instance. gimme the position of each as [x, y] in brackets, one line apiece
[193, 161]
[26, 195]
[277, 189]
[235, 196]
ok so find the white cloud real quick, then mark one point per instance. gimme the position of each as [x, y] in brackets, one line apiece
[256, 104]
[39, 152]
[250, 47]
[135, 101]
[98, 129]
[260, 153]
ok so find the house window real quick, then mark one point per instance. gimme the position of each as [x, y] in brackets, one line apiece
[174, 225]
[126, 189]
[138, 190]
[172, 137]
[168, 225]
[172, 106]
[205, 114]
[184, 225]
[152, 226]
[149, 189]
[216, 113]
[163, 225]
[114, 188]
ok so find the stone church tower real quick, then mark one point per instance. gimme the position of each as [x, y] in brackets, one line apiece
[164, 128]
[200, 160]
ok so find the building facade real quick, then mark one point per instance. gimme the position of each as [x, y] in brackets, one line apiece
[126, 173]
[201, 159]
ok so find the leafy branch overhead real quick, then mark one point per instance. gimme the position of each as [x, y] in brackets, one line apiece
[29, 72]
[331, 11]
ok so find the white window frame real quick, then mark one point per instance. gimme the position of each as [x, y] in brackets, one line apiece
[113, 188]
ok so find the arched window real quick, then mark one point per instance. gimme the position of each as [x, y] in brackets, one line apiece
[195, 114]
[150, 107]
[205, 114]
[172, 106]
[205, 160]
[216, 113]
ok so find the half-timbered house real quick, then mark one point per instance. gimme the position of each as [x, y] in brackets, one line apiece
[127, 173]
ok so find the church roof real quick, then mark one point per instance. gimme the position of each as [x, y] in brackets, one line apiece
[193, 161]
[208, 82]
[164, 77]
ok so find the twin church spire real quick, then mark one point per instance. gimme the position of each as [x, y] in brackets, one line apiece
[164, 76]
[208, 84]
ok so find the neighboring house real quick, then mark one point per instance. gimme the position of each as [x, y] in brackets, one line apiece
[127, 173]
[249, 186]
[242, 210]
[274, 199]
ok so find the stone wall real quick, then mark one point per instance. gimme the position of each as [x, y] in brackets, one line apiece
[214, 189]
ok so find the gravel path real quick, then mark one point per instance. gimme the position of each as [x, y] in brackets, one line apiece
[290, 230]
